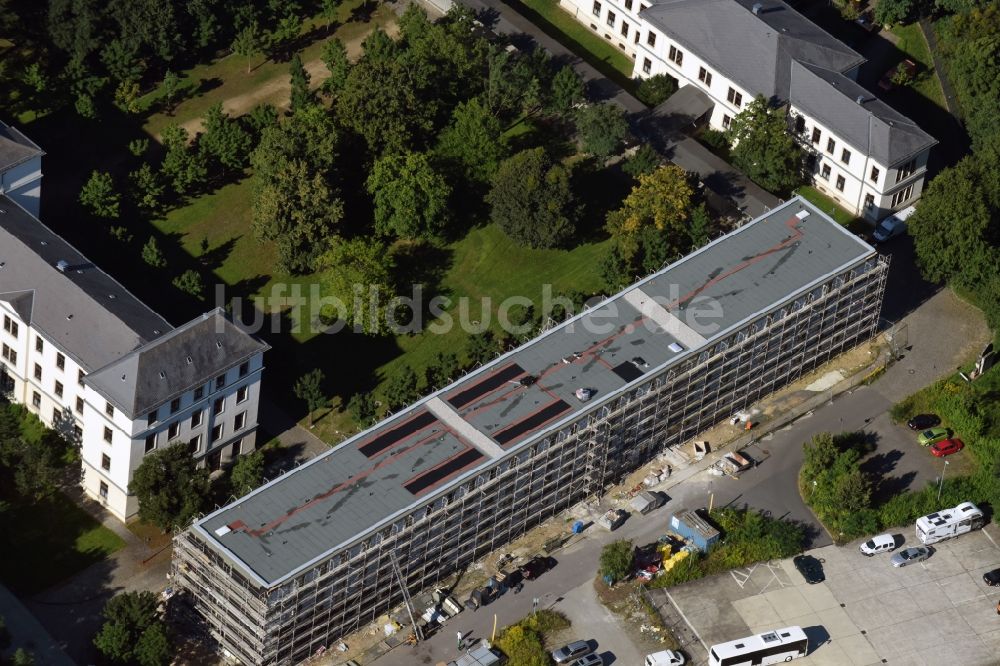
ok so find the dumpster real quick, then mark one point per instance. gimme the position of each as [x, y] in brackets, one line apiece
[688, 524]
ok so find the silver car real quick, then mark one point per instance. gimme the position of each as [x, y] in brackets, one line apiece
[572, 651]
[910, 555]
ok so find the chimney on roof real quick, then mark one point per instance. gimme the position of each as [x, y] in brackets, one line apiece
[756, 8]
[62, 265]
[860, 100]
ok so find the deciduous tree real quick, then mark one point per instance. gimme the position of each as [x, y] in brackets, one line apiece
[334, 56]
[567, 90]
[656, 89]
[401, 389]
[617, 560]
[247, 473]
[473, 142]
[152, 254]
[191, 283]
[133, 631]
[359, 272]
[531, 200]
[169, 487]
[661, 200]
[147, 188]
[301, 95]
[99, 196]
[224, 139]
[763, 149]
[888, 12]
[602, 128]
[309, 389]
[411, 197]
[248, 43]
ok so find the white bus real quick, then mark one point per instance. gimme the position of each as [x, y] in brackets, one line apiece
[772, 647]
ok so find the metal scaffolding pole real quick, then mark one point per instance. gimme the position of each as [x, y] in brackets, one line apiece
[406, 596]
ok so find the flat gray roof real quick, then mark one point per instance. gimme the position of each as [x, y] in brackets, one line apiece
[82, 309]
[382, 473]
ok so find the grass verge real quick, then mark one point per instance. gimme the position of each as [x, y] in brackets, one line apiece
[46, 542]
[830, 207]
[926, 83]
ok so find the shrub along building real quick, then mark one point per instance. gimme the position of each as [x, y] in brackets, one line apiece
[290, 568]
[97, 364]
[864, 154]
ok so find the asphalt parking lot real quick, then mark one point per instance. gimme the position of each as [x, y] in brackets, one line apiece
[866, 612]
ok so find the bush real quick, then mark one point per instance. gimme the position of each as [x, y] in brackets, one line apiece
[523, 647]
[656, 89]
[617, 559]
[715, 140]
[546, 621]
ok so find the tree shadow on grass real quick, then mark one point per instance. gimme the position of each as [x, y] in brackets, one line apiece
[215, 257]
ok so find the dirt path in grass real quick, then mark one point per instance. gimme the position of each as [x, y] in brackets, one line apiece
[278, 90]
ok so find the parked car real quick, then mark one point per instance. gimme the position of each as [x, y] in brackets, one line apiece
[893, 225]
[588, 660]
[932, 435]
[567, 653]
[907, 66]
[535, 567]
[810, 568]
[665, 658]
[992, 578]
[908, 556]
[883, 543]
[923, 422]
[947, 447]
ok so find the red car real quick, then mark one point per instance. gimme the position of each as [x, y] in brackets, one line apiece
[946, 447]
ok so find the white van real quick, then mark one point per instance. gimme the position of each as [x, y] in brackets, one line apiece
[665, 658]
[894, 225]
[883, 543]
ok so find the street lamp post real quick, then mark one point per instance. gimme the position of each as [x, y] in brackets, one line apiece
[941, 479]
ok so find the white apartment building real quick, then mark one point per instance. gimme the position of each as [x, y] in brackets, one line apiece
[865, 155]
[20, 169]
[94, 362]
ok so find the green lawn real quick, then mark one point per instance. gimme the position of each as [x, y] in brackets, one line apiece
[827, 205]
[577, 37]
[912, 42]
[44, 543]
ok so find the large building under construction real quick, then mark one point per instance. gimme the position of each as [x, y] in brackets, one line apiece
[289, 569]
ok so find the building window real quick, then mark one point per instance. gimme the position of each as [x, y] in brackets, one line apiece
[869, 201]
[197, 418]
[638, 32]
[151, 417]
[242, 394]
[840, 183]
[628, 5]
[107, 434]
[705, 76]
[175, 405]
[9, 354]
[735, 98]
[676, 55]
[77, 432]
[59, 389]
[150, 442]
[816, 135]
[219, 406]
[109, 409]
[194, 444]
[830, 145]
[611, 23]
[845, 156]
[10, 325]
[79, 405]
[103, 490]
[902, 195]
[726, 121]
[647, 64]
[173, 430]
[244, 368]
[79, 377]
[240, 421]
[624, 29]
[236, 448]
[38, 372]
[874, 174]
[39, 344]
[800, 124]
[824, 172]
[105, 462]
[597, 9]
[220, 381]
[651, 38]
[199, 393]
[36, 399]
[216, 433]
[60, 361]
[56, 415]
[905, 170]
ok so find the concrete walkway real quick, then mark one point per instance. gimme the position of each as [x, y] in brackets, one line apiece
[682, 150]
[26, 632]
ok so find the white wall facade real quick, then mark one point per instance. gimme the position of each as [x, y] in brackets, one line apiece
[615, 21]
[108, 466]
[23, 184]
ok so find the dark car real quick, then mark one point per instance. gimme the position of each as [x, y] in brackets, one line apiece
[535, 567]
[810, 568]
[923, 422]
[992, 578]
